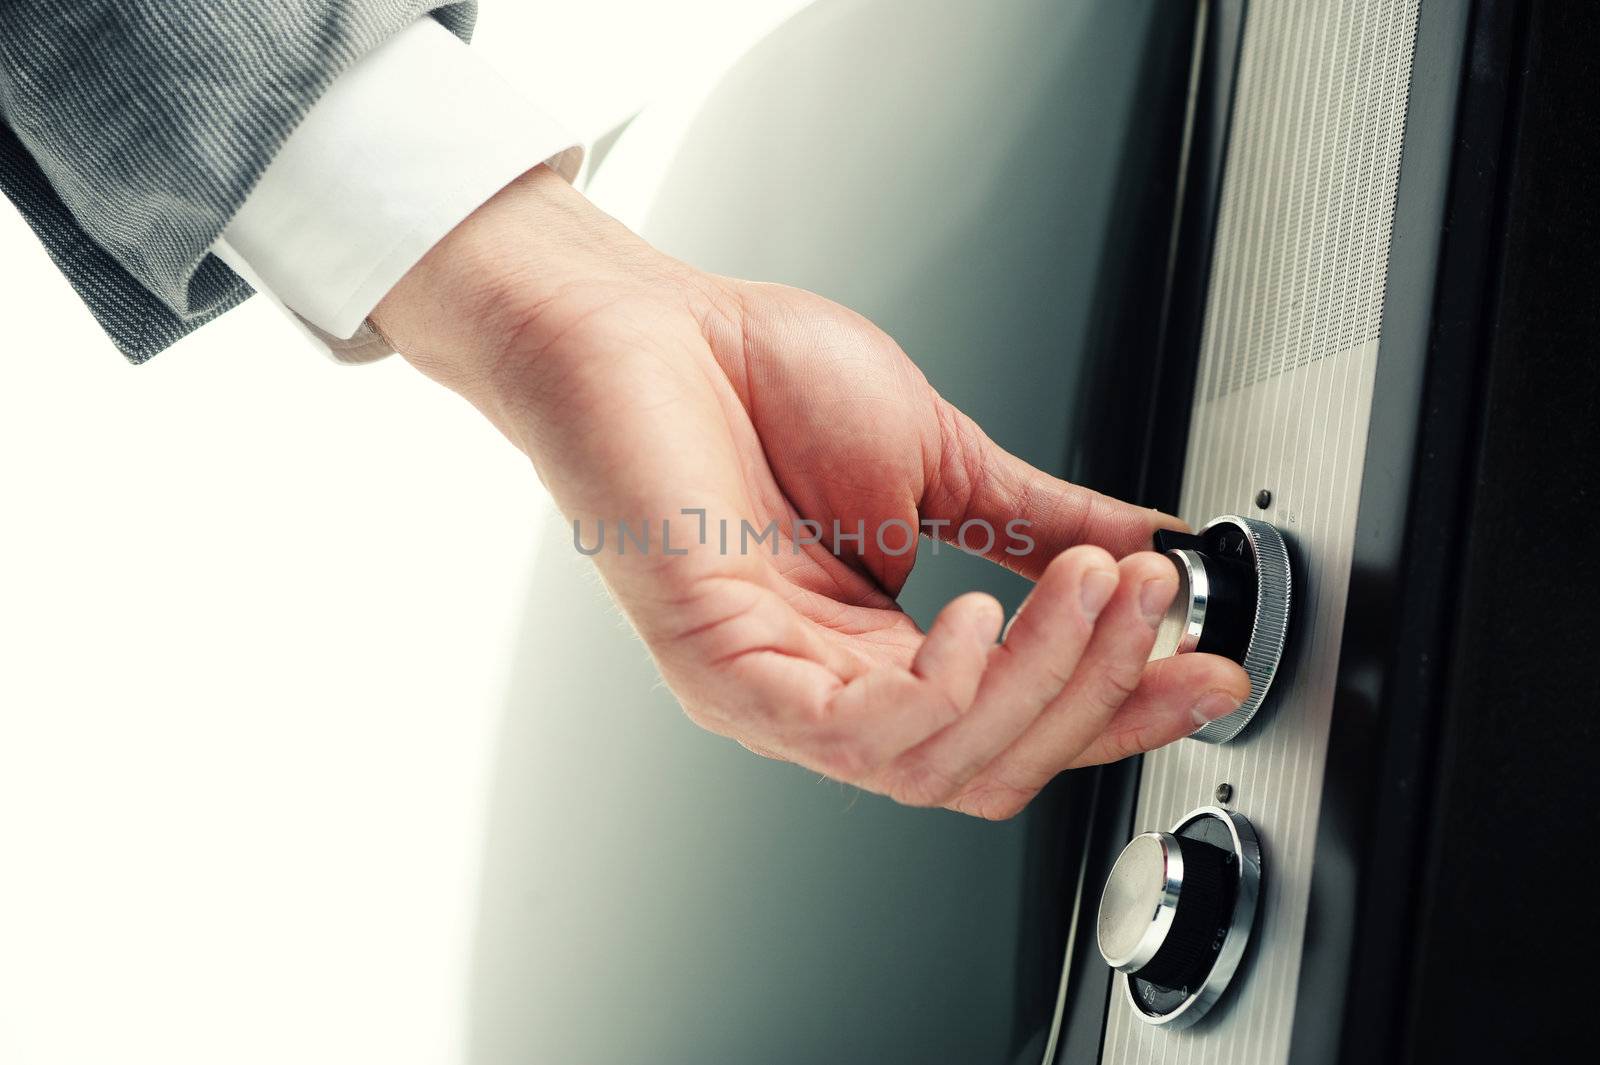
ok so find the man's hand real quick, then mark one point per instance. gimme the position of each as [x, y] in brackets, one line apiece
[642, 389]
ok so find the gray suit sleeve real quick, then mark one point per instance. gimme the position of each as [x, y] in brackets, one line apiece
[134, 129]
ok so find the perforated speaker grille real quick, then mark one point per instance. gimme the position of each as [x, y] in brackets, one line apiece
[1303, 237]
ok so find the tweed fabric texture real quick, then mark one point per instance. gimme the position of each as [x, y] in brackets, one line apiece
[134, 129]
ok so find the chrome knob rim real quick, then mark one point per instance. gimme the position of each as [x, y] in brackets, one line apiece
[1269, 632]
[1185, 620]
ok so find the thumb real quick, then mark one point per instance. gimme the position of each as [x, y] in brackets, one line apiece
[1033, 516]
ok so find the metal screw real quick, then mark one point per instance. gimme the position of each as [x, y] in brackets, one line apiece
[1264, 499]
[1224, 794]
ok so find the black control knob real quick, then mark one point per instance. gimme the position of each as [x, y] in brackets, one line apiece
[1233, 600]
[1164, 905]
[1176, 913]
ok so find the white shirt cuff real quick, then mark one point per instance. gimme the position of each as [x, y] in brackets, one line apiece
[402, 146]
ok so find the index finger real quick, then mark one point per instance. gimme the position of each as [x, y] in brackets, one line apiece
[979, 481]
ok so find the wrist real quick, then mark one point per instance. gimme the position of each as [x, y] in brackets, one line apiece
[529, 291]
[457, 309]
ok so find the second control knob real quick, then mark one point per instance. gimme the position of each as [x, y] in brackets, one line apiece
[1176, 912]
[1162, 906]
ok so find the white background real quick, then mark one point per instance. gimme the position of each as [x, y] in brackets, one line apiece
[256, 615]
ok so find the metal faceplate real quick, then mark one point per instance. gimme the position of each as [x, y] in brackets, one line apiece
[1282, 401]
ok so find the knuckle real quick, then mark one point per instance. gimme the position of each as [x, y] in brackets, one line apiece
[1055, 675]
[1117, 684]
[1124, 679]
[840, 758]
[995, 802]
[961, 473]
[816, 718]
[915, 781]
[944, 705]
[1126, 743]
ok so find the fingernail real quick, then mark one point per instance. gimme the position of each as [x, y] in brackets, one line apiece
[1212, 706]
[1155, 597]
[1095, 590]
[1006, 631]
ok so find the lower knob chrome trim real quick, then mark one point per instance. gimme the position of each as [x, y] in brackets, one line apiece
[1140, 901]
